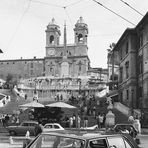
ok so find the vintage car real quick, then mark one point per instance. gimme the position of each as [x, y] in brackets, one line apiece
[125, 126]
[52, 127]
[22, 128]
[82, 140]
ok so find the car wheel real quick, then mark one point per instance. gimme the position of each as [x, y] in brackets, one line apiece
[12, 133]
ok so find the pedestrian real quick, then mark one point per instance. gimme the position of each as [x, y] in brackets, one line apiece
[137, 125]
[131, 119]
[13, 119]
[104, 118]
[27, 139]
[26, 96]
[74, 121]
[85, 121]
[85, 110]
[94, 111]
[98, 122]
[79, 121]
[17, 120]
[3, 101]
[70, 122]
[38, 128]
[101, 120]
[7, 119]
[67, 121]
[132, 132]
[3, 121]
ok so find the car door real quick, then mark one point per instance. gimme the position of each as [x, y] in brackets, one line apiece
[116, 142]
[23, 128]
[119, 142]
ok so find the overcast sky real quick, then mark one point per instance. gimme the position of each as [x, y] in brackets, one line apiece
[23, 24]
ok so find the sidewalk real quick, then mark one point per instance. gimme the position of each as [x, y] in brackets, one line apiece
[7, 145]
[4, 130]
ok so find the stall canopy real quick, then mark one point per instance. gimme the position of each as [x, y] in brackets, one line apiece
[32, 104]
[61, 105]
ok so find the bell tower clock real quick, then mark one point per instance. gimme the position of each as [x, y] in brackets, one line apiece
[52, 37]
[51, 52]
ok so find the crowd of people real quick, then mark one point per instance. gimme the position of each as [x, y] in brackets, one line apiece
[88, 112]
[5, 120]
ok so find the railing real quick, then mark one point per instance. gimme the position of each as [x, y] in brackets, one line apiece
[122, 108]
[126, 110]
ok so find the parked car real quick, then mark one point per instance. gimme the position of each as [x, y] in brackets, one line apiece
[52, 127]
[82, 140]
[129, 127]
[126, 128]
[22, 128]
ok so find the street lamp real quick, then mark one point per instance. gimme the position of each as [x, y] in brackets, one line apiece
[132, 101]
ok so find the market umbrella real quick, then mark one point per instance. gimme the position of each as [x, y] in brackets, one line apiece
[61, 105]
[32, 104]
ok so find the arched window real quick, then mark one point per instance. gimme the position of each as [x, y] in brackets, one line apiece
[51, 69]
[51, 39]
[80, 38]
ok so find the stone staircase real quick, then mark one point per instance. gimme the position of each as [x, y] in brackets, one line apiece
[13, 105]
[119, 116]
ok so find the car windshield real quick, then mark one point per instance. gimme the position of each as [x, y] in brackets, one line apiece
[52, 141]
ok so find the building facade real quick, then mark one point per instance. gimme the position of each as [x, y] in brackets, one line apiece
[22, 68]
[127, 49]
[132, 48]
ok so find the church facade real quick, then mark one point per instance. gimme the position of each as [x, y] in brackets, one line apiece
[64, 69]
[66, 60]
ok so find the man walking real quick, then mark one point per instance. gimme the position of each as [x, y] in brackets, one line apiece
[85, 121]
[38, 129]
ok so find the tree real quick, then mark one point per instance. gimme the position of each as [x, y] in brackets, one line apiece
[48, 114]
[10, 81]
[9, 78]
[112, 45]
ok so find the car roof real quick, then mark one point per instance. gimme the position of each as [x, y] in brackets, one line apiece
[52, 124]
[83, 136]
[30, 121]
[123, 124]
